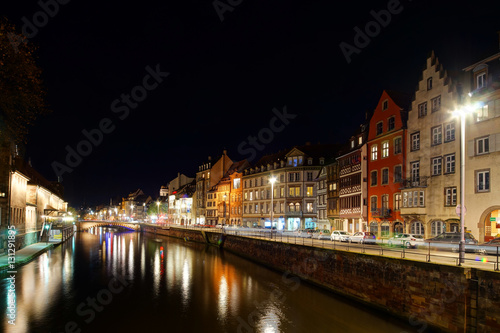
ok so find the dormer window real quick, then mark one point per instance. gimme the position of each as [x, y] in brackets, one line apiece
[385, 105]
[321, 160]
[268, 167]
[352, 143]
[429, 83]
[309, 161]
[282, 163]
[275, 165]
[360, 140]
[290, 160]
[261, 168]
[481, 80]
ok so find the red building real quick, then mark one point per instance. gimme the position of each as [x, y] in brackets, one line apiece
[386, 163]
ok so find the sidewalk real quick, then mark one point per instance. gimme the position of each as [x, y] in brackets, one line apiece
[25, 255]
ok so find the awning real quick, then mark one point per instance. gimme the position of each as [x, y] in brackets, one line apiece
[49, 209]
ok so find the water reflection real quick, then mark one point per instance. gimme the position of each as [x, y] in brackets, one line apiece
[176, 286]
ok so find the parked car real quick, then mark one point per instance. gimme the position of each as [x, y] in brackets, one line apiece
[304, 233]
[363, 237]
[406, 240]
[492, 247]
[451, 241]
[322, 234]
[340, 235]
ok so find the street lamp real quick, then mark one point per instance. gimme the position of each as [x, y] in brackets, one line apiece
[467, 109]
[272, 180]
[225, 196]
[158, 204]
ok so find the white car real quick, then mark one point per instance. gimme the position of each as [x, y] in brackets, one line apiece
[406, 240]
[340, 235]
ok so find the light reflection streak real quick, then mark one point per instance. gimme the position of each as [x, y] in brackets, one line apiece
[186, 283]
[156, 273]
[223, 298]
[131, 259]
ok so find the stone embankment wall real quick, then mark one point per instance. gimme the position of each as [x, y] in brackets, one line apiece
[430, 296]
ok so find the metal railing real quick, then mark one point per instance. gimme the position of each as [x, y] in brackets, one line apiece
[478, 256]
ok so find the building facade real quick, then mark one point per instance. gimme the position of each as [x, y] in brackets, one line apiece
[432, 182]
[353, 194]
[482, 151]
[386, 163]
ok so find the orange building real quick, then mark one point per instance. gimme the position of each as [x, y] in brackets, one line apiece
[386, 163]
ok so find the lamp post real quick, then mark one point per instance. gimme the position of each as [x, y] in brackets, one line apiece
[225, 196]
[462, 113]
[272, 180]
[158, 204]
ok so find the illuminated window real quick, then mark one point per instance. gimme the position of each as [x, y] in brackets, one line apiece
[309, 191]
[481, 80]
[385, 149]
[374, 152]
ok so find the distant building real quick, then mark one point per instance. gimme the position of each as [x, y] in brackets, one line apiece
[134, 206]
[180, 203]
[294, 197]
[353, 191]
[207, 176]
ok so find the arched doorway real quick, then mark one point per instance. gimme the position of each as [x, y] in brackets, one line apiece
[489, 226]
[398, 228]
[374, 228]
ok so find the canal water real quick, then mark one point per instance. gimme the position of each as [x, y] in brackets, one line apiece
[112, 281]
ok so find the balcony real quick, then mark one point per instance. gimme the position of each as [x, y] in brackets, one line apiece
[381, 213]
[293, 213]
[411, 183]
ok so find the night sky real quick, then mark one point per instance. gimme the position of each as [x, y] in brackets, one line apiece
[225, 77]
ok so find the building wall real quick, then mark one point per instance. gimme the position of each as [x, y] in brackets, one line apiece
[236, 199]
[433, 211]
[483, 205]
[382, 220]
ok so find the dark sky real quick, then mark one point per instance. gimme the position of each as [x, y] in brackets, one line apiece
[225, 77]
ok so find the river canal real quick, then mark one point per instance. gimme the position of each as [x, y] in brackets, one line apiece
[112, 281]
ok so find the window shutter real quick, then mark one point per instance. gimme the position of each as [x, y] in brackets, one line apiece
[470, 148]
[492, 142]
[497, 141]
[497, 108]
[491, 109]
